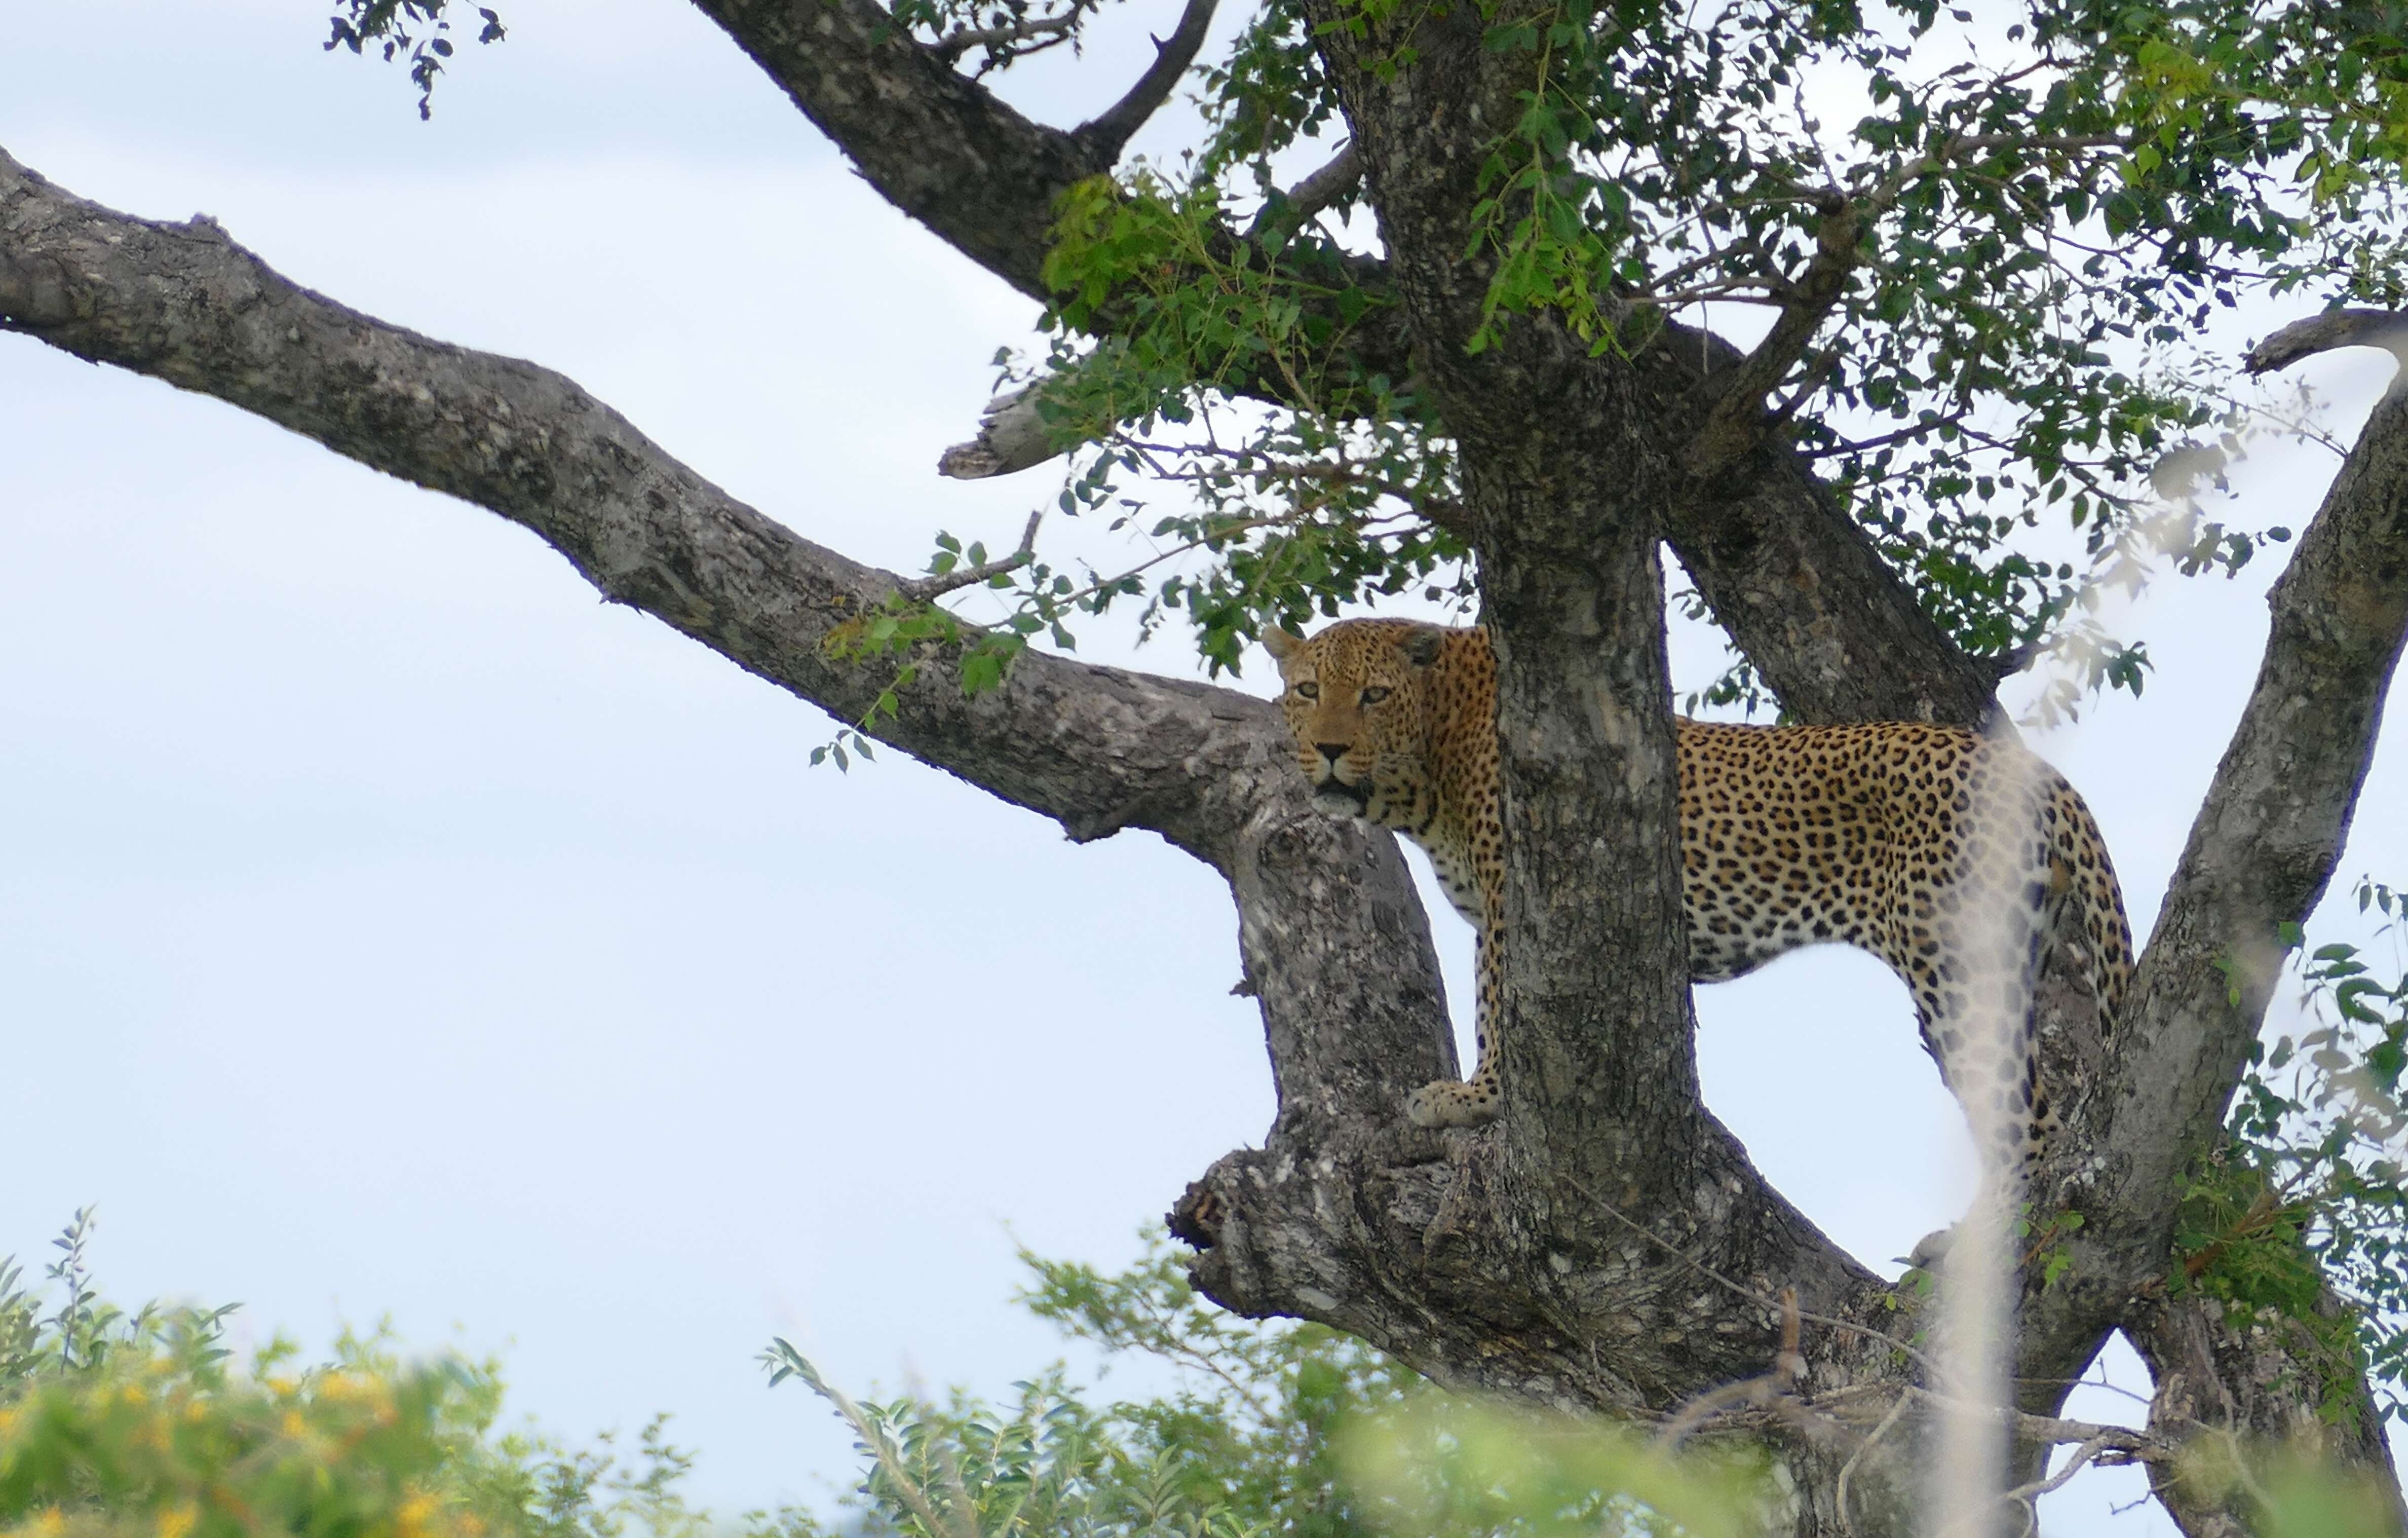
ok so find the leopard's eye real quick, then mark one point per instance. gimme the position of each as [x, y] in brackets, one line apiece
[1308, 691]
[1373, 696]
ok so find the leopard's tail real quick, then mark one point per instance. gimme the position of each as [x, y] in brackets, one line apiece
[2092, 901]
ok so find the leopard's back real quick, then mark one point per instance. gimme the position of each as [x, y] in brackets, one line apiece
[1952, 857]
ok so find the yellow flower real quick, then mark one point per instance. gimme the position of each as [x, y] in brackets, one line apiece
[178, 1520]
[410, 1521]
[294, 1425]
[8, 1419]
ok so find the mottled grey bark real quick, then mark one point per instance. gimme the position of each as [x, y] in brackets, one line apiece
[1799, 587]
[1608, 1247]
[2258, 1391]
[1097, 749]
[1347, 1214]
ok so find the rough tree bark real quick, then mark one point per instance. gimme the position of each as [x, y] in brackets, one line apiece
[1608, 1247]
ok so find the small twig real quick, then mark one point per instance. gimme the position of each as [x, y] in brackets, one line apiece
[1761, 1390]
[951, 46]
[1308, 197]
[1906, 434]
[1444, 511]
[922, 589]
[1847, 1470]
[1750, 1293]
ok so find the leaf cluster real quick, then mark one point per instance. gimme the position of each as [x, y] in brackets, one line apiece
[1244, 514]
[412, 30]
[117, 1425]
[2306, 1205]
[1277, 1428]
[1990, 250]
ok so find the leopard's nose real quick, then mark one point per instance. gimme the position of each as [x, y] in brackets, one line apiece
[1332, 750]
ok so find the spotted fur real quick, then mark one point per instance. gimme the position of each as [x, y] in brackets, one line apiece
[1952, 858]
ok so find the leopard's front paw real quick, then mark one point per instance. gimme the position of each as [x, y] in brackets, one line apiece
[1451, 1103]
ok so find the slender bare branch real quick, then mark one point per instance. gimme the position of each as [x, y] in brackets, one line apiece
[1041, 31]
[925, 588]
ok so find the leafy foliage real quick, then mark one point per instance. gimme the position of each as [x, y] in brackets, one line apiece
[1989, 246]
[1278, 1428]
[415, 30]
[1339, 494]
[1995, 244]
[2311, 1189]
[140, 1425]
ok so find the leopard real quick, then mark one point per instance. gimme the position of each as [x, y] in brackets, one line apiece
[1954, 856]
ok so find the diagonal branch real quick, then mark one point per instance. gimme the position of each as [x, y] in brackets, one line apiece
[1738, 423]
[1800, 587]
[942, 148]
[2280, 806]
[1329, 927]
[1104, 136]
[2261, 850]
[1798, 582]
[2334, 329]
[1290, 211]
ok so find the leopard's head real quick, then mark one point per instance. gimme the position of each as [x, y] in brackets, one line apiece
[1358, 698]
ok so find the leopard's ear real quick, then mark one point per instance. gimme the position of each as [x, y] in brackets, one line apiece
[1421, 647]
[1282, 643]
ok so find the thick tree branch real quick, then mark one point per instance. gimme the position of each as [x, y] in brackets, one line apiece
[1097, 748]
[1332, 939]
[1287, 212]
[2276, 814]
[2260, 852]
[1800, 587]
[2334, 329]
[1798, 582]
[940, 147]
[2253, 1392]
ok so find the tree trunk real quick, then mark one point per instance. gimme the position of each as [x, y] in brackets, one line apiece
[1607, 1246]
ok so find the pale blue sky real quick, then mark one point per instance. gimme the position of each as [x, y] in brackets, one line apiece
[386, 925]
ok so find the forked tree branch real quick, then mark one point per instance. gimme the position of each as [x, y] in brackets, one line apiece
[2261, 850]
[1797, 584]
[1332, 939]
[1097, 749]
[942, 148]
